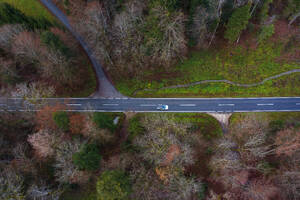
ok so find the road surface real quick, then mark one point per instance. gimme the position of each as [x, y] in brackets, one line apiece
[207, 105]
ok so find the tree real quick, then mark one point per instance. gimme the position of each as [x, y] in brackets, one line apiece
[77, 123]
[54, 42]
[32, 92]
[113, 185]
[11, 185]
[27, 45]
[43, 192]
[61, 119]
[43, 143]
[7, 34]
[87, 158]
[161, 136]
[104, 120]
[288, 142]
[65, 170]
[237, 23]
[44, 117]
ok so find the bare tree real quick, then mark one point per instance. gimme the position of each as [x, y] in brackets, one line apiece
[7, 35]
[33, 91]
[66, 171]
[27, 45]
[11, 185]
[43, 143]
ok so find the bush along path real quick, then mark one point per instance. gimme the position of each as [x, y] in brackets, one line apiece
[219, 81]
[105, 88]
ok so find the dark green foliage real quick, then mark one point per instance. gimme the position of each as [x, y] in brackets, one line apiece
[11, 15]
[171, 5]
[105, 121]
[202, 192]
[61, 119]
[237, 22]
[263, 14]
[227, 11]
[135, 129]
[53, 41]
[88, 158]
[276, 125]
[265, 33]
[292, 7]
[9, 75]
[153, 33]
[113, 185]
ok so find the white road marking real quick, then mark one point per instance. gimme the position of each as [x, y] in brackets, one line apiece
[226, 104]
[265, 104]
[187, 105]
[74, 104]
[147, 105]
[110, 104]
[298, 104]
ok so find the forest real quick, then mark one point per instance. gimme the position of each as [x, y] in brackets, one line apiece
[53, 154]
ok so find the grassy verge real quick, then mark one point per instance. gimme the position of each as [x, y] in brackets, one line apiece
[31, 8]
[238, 64]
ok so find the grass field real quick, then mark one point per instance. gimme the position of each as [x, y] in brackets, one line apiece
[31, 8]
[238, 64]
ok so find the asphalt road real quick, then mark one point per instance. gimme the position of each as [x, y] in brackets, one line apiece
[221, 105]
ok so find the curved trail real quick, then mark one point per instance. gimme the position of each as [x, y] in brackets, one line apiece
[221, 81]
[105, 87]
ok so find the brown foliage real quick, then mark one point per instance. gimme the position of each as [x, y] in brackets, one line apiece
[174, 150]
[288, 142]
[44, 117]
[28, 45]
[42, 142]
[77, 123]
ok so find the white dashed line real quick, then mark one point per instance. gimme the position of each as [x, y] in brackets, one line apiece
[187, 105]
[265, 104]
[74, 104]
[147, 105]
[225, 104]
[110, 104]
[298, 104]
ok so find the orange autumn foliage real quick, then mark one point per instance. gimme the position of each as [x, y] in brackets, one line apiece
[77, 123]
[44, 117]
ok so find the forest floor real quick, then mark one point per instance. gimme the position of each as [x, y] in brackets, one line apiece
[244, 63]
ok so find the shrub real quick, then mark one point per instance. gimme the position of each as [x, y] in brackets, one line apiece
[265, 33]
[105, 121]
[61, 119]
[237, 22]
[276, 125]
[135, 128]
[113, 185]
[88, 158]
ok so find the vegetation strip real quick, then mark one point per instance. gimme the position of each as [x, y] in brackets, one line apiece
[220, 81]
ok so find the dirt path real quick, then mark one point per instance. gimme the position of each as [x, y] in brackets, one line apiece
[221, 81]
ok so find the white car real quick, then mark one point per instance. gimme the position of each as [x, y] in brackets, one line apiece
[162, 107]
